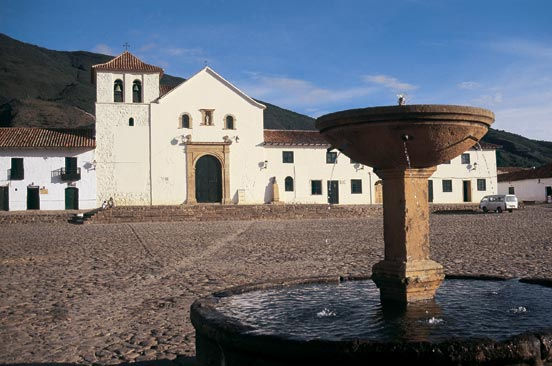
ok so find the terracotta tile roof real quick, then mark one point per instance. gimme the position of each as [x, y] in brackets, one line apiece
[164, 89]
[544, 171]
[126, 61]
[46, 137]
[294, 137]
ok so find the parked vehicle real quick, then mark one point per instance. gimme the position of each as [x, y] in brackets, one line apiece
[499, 203]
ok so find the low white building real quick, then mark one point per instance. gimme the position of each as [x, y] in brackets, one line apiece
[46, 169]
[532, 185]
[204, 141]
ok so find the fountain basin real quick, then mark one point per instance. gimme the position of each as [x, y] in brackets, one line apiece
[231, 337]
[436, 133]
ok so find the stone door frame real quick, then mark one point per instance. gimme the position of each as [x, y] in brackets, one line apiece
[194, 151]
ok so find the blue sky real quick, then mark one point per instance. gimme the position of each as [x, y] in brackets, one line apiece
[316, 57]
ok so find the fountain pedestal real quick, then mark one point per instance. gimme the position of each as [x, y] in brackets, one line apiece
[407, 274]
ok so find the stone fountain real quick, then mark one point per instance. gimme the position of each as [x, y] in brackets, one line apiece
[274, 323]
[404, 144]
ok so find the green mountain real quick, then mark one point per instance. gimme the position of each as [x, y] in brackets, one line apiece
[46, 88]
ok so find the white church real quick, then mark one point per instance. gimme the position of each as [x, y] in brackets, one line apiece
[203, 141]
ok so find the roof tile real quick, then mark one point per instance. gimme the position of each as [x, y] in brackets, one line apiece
[46, 137]
[126, 61]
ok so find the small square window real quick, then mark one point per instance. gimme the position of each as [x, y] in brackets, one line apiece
[511, 190]
[481, 185]
[331, 157]
[316, 187]
[356, 186]
[447, 185]
[465, 158]
[287, 157]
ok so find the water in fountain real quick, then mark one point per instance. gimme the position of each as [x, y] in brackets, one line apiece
[351, 309]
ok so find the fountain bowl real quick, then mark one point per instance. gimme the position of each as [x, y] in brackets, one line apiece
[434, 134]
[222, 339]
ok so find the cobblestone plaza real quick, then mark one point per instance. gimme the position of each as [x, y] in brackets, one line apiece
[113, 293]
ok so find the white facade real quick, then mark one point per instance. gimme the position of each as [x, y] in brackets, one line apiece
[153, 160]
[535, 190]
[42, 170]
[464, 178]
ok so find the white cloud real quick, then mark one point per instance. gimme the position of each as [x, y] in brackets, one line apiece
[469, 85]
[523, 47]
[389, 82]
[103, 48]
[489, 100]
[298, 93]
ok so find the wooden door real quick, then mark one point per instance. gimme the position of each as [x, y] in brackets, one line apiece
[430, 190]
[33, 198]
[71, 198]
[466, 185]
[208, 180]
[4, 198]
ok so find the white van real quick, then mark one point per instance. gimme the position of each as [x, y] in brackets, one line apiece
[499, 203]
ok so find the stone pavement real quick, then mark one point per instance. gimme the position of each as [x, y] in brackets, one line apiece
[115, 293]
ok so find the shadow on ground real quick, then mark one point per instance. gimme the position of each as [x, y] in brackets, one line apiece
[179, 361]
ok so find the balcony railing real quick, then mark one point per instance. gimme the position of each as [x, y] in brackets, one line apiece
[70, 174]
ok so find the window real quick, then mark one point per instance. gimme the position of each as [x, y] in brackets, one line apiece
[331, 157]
[465, 158]
[511, 190]
[131, 121]
[287, 157]
[16, 171]
[185, 121]
[316, 187]
[136, 91]
[229, 122]
[207, 115]
[118, 91]
[447, 185]
[356, 186]
[481, 185]
[71, 165]
[288, 182]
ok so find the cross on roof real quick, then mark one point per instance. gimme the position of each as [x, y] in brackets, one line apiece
[126, 46]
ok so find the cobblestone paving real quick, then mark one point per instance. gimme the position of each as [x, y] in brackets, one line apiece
[109, 294]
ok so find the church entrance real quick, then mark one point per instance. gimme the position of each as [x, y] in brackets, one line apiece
[208, 179]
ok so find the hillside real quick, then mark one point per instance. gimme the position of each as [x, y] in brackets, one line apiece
[41, 87]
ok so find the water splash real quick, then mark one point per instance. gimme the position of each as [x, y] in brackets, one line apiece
[325, 313]
[486, 166]
[331, 177]
[433, 320]
[518, 310]
[409, 168]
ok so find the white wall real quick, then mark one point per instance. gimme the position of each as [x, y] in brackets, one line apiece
[310, 164]
[527, 189]
[458, 172]
[39, 165]
[206, 90]
[122, 153]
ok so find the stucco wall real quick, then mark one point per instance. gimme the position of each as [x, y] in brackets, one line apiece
[122, 153]
[39, 166]
[206, 91]
[309, 163]
[527, 189]
[458, 172]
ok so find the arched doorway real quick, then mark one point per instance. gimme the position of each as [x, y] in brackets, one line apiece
[208, 179]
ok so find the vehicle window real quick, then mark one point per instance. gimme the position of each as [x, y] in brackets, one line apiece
[510, 199]
[500, 199]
